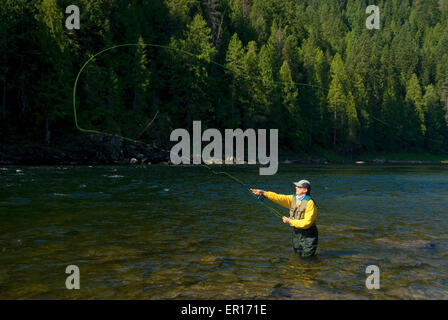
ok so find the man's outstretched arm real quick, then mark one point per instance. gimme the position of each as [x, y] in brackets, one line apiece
[281, 199]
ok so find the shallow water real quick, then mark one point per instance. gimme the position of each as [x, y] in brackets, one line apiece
[159, 232]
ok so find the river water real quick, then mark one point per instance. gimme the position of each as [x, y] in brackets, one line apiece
[180, 232]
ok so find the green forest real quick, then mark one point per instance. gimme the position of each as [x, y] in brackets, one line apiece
[309, 68]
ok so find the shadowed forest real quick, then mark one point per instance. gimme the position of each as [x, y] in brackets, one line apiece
[309, 68]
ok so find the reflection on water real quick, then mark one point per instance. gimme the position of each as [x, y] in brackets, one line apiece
[181, 233]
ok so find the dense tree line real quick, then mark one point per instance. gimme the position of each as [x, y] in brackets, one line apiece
[310, 68]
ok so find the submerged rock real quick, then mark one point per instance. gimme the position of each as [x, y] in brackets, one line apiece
[275, 260]
[406, 244]
[214, 261]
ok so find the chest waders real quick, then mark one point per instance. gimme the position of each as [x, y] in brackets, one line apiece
[304, 241]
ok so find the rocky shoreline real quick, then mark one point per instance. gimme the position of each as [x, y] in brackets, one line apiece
[93, 149]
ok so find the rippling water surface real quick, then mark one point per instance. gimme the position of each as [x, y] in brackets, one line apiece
[159, 232]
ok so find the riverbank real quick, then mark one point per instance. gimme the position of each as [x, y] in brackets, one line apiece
[329, 157]
[94, 149]
[89, 149]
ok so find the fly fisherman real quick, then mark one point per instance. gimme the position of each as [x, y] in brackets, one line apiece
[302, 216]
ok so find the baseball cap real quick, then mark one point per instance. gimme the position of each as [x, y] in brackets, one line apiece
[303, 184]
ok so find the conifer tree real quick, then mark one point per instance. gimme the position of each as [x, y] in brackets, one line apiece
[434, 121]
[234, 65]
[293, 120]
[192, 56]
[337, 95]
[414, 97]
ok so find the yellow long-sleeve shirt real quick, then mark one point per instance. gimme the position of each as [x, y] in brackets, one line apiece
[286, 200]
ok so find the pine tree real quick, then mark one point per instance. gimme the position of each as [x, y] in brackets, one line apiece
[292, 121]
[4, 77]
[436, 127]
[53, 88]
[289, 89]
[189, 73]
[389, 123]
[352, 119]
[414, 97]
[234, 65]
[266, 91]
[235, 56]
[252, 83]
[337, 96]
